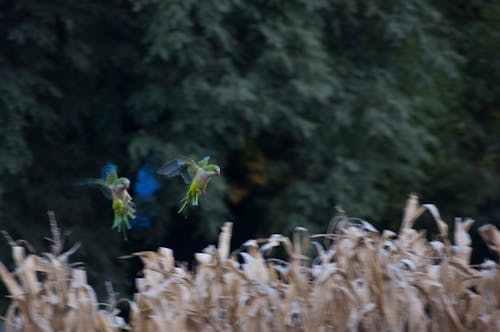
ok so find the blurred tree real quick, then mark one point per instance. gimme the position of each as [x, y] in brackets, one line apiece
[305, 104]
[465, 178]
[314, 104]
[61, 89]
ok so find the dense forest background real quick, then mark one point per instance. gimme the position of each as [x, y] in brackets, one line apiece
[306, 106]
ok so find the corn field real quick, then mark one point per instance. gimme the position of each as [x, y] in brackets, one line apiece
[358, 279]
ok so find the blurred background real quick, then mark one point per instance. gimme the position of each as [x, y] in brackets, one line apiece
[306, 106]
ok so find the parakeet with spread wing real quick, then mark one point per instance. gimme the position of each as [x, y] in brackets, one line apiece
[196, 174]
[115, 188]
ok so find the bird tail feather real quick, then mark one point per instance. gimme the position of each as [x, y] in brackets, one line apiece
[184, 202]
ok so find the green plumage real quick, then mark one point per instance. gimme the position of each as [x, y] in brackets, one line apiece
[196, 174]
[115, 189]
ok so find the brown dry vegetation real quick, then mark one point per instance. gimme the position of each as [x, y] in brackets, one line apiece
[361, 280]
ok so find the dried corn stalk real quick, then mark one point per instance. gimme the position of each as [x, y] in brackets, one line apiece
[48, 294]
[358, 279]
[362, 280]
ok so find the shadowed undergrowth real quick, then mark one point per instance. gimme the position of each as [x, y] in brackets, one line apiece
[353, 278]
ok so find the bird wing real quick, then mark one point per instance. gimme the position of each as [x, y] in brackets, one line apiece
[171, 168]
[100, 183]
[185, 168]
[105, 189]
[109, 173]
[204, 161]
[191, 171]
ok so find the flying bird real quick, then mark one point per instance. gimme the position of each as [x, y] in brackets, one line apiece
[196, 174]
[116, 189]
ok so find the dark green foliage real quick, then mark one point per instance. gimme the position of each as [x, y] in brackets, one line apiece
[306, 105]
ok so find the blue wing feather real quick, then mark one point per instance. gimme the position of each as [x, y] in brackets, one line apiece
[109, 173]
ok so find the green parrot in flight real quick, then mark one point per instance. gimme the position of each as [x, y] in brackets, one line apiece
[196, 174]
[115, 189]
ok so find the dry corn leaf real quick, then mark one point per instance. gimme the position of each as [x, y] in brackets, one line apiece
[490, 235]
[225, 240]
[15, 291]
[442, 226]
[361, 280]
